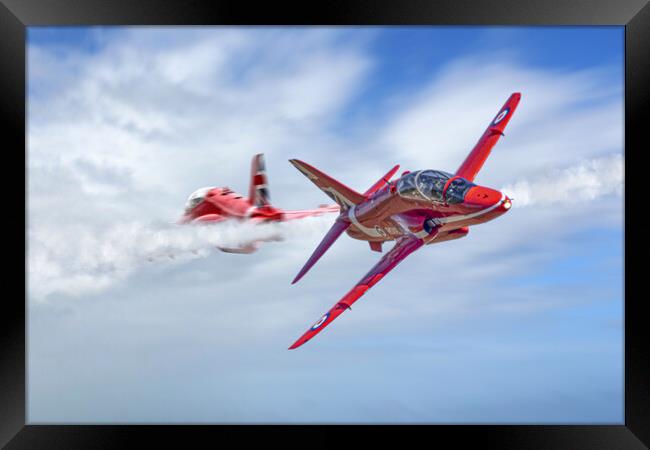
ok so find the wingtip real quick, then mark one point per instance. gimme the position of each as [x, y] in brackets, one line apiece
[299, 276]
[296, 344]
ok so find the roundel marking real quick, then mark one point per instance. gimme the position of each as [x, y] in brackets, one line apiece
[320, 321]
[501, 116]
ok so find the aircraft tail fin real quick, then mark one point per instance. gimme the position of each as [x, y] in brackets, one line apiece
[258, 191]
[332, 235]
[383, 180]
[340, 193]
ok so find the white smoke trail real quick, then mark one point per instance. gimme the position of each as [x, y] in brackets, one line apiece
[583, 182]
[82, 260]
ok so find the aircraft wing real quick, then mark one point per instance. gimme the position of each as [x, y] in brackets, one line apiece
[404, 247]
[494, 131]
[299, 214]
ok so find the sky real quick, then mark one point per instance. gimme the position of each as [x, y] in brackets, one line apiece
[519, 322]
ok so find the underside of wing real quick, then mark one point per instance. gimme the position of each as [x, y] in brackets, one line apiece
[404, 247]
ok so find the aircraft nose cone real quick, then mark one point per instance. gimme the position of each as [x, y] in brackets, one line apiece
[482, 197]
[506, 204]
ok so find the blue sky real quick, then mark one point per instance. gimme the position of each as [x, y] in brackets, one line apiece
[520, 322]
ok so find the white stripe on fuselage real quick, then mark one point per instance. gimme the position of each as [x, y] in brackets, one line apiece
[422, 233]
[450, 219]
[369, 231]
[250, 211]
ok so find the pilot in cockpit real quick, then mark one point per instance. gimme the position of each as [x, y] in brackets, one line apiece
[434, 185]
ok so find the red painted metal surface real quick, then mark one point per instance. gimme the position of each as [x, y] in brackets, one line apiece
[419, 208]
[218, 204]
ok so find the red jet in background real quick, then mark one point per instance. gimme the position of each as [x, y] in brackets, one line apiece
[214, 204]
[422, 207]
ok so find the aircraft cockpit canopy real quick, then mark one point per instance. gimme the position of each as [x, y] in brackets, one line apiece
[196, 197]
[429, 185]
[457, 189]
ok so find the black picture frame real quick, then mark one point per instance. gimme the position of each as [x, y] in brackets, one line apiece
[16, 15]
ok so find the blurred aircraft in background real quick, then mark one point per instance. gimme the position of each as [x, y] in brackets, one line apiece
[216, 204]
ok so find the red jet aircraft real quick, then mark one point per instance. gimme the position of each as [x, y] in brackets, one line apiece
[213, 204]
[419, 208]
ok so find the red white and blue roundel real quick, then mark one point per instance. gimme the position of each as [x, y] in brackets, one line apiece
[502, 115]
[320, 321]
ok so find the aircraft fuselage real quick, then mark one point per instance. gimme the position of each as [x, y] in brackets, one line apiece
[394, 211]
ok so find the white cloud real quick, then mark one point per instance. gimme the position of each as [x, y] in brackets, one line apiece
[154, 122]
[125, 113]
[551, 125]
[117, 144]
[142, 124]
